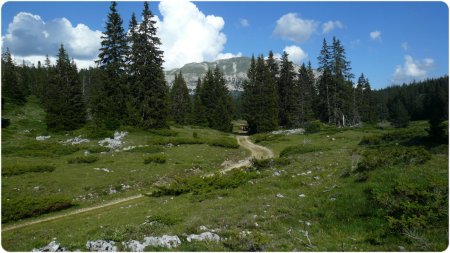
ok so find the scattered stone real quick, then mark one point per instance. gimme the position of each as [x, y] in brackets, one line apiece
[125, 186]
[401, 248]
[166, 241]
[256, 224]
[27, 131]
[53, 246]
[290, 131]
[203, 228]
[134, 246]
[333, 139]
[75, 141]
[42, 138]
[101, 245]
[206, 236]
[244, 233]
[128, 148]
[302, 195]
[36, 188]
[103, 169]
[114, 143]
[276, 173]
[86, 152]
[332, 199]
[316, 177]
[112, 191]
[279, 195]
[169, 145]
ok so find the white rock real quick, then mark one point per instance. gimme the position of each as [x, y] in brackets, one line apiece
[101, 245]
[203, 228]
[302, 195]
[166, 241]
[206, 236]
[276, 173]
[279, 195]
[134, 246]
[42, 138]
[75, 140]
[53, 246]
[290, 131]
[36, 188]
[114, 143]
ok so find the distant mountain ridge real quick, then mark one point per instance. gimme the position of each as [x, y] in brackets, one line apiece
[234, 69]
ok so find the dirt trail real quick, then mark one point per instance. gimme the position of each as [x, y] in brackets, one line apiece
[82, 210]
[258, 152]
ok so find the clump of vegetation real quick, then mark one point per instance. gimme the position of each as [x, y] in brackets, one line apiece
[22, 169]
[97, 149]
[157, 158]
[391, 136]
[300, 149]
[166, 219]
[198, 185]
[83, 159]
[37, 148]
[19, 208]
[389, 156]
[271, 162]
[163, 132]
[312, 126]
[147, 149]
[257, 138]
[224, 142]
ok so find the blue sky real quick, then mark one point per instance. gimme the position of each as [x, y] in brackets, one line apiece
[390, 42]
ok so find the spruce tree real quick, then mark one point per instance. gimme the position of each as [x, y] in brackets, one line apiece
[273, 66]
[398, 114]
[288, 94]
[180, 100]
[11, 88]
[325, 81]
[65, 106]
[134, 92]
[306, 94]
[259, 98]
[198, 110]
[108, 102]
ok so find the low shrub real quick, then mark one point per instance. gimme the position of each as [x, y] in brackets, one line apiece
[300, 149]
[391, 136]
[371, 140]
[22, 169]
[312, 127]
[388, 156]
[194, 134]
[158, 158]
[271, 162]
[19, 208]
[5, 122]
[147, 149]
[83, 159]
[257, 138]
[97, 149]
[166, 219]
[39, 148]
[224, 142]
[163, 132]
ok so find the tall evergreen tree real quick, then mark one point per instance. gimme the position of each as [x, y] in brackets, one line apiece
[65, 106]
[199, 110]
[324, 111]
[273, 66]
[398, 114]
[11, 88]
[108, 102]
[288, 94]
[180, 100]
[260, 98]
[306, 94]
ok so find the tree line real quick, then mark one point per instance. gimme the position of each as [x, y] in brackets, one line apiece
[128, 87]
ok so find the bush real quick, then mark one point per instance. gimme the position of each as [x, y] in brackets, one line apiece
[388, 156]
[83, 159]
[257, 138]
[224, 142]
[158, 158]
[163, 132]
[19, 208]
[267, 163]
[97, 149]
[22, 169]
[194, 134]
[312, 127]
[165, 219]
[37, 148]
[300, 149]
[5, 122]
[147, 149]
[391, 136]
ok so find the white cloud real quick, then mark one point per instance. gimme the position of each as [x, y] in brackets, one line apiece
[222, 56]
[412, 70]
[34, 59]
[29, 35]
[293, 28]
[404, 45]
[331, 25]
[188, 35]
[244, 22]
[375, 35]
[296, 54]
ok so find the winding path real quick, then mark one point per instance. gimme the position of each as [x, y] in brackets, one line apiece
[258, 152]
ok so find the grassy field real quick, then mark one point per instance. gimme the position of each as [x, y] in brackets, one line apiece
[361, 189]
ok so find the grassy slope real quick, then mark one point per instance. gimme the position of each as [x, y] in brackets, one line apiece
[335, 210]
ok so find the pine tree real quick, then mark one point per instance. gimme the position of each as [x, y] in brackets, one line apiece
[273, 66]
[398, 114]
[260, 98]
[108, 102]
[198, 110]
[11, 88]
[288, 94]
[65, 106]
[306, 94]
[325, 81]
[150, 82]
[180, 100]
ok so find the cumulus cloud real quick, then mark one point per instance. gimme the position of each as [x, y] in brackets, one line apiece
[331, 25]
[222, 56]
[404, 45]
[29, 35]
[293, 28]
[296, 54]
[375, 35]
[188, 35]
[244, 22]
[412, 70]
[34, 59]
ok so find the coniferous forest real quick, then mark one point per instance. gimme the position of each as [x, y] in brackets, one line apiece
[298, 158]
